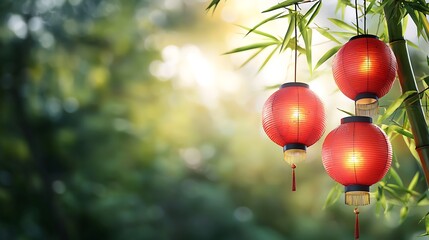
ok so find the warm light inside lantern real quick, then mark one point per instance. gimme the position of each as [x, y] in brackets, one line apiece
[365, 65]
[295, 114]
[353, 160]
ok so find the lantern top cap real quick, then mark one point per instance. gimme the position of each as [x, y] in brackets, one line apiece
[294, 84]
[356, 187]
[363, 36]
[356, 119]
[366, 95]
[294, 146]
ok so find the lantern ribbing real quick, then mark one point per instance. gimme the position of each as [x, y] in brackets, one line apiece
[357, 154]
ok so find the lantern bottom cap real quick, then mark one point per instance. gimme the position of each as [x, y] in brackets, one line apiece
[292, 156]
[366, 107]
[357, 198]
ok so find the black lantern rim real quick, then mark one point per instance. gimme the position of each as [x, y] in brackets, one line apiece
[364, 36]
[290, 146]
[366, 95]
[351, 119]
[294, 84]
[356, 188]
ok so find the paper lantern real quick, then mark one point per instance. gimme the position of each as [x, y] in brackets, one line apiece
[357, 154]
[364, 70]
[294, 118]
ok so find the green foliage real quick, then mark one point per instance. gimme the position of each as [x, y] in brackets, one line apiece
[426, 221]
[213, 5]
[331, 52]
[395, 105]
[333, 195]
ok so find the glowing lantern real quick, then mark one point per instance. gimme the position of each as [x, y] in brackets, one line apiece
[357, 154]
[364, 70]
[294, 118]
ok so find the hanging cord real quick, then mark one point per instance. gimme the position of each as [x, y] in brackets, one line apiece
[296, 41]
[356, 211]
[364, 17]
[357, 17]
[293, 166]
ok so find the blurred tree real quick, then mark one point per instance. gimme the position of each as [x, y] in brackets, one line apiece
[94, 145]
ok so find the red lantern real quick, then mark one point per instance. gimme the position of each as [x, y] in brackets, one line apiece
[357, 154]
[294, 118]
[364, 70]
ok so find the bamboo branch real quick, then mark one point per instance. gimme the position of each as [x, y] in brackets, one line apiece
[407, 81]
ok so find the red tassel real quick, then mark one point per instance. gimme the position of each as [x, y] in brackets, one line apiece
[357, 224]
[293, 177]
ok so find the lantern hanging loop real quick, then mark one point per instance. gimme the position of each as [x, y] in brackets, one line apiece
[364, 17]
[365, 30]
[296, 42]
[357, 17]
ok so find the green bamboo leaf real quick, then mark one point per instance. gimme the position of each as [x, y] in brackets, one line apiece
[403, 213]
[411, 44]
[251, 47]
[289, 32]
[404, 24]
[344, 111]
[395, 160]
[418, 7]
[213, 4]
[426, 78]
[315, 9]
[342, 24]
[412, 147]
[394, 195]
[268, 58]
[333, 195]
[395, 105]
[414, 17]
[427, 224]
[344, 34]
[425, 24]
[422, 197]
[426, 218]
[283, 4]
[379, 193]
[327, 56]
[401, 190]
[252, 57]
[396, 177]
[369, 8]
[414, 181]
[306, 34]
[381, 199]
[326, 34]
[401, 130]
[260, 33]
[276, 86]
[263, 22]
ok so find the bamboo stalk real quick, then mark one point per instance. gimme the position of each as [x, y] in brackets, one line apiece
[407, 81]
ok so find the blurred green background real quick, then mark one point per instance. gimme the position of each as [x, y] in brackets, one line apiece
[122, 120]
